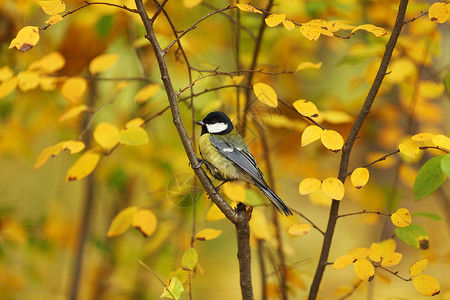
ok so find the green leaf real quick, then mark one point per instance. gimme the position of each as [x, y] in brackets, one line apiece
[104, 25]
[414, 235]
[189, 259]
[175, 287]
[134, 136]
[445, 164]
[447, 82]
[429, 178]
[429, 215]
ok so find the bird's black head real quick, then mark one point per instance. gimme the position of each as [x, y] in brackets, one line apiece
[216, 122]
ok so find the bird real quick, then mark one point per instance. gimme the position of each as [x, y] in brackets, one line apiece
[227, 157]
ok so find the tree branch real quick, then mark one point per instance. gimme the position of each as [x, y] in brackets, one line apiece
[346, 150]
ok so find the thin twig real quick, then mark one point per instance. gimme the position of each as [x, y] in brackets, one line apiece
[392, 272]
[308, 220]
[365, 212]
[354, 288]
[156, 276]
[193, 26]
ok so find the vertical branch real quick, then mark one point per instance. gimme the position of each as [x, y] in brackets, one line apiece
[237, 41]
[262, 268]
[87, 205]
[240, 217]
[244, 253]
[258, 43]
[346, 150]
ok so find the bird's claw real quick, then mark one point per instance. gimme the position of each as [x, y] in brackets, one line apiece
[201, 162]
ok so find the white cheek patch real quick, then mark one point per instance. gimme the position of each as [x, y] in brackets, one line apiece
[216, 127]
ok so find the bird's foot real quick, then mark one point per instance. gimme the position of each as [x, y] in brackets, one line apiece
[199, 165]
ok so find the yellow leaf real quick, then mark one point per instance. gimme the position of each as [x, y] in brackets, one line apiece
[50, 63]
[418, 267]
[420, 137]
[343, 291]
[275, 19]
[299, 229]
[48, 83]
[266, 94]
[207, 234]
[376, 252]
[359, 178]
[306, 108]
[52, 7]
[439, 12]
[288, 25]
[51, 151]
[8, 86]
[122, 221]
[335, 116]
[103, 62]
[311, 134]
[343, 262]
[73, 112]
[441, 141]
[191, 3]
[26, 38]
[426, 285]
[248, 8]
[133, 136]
[401, 218]
[388, 245]
[106, 135]
[147, 92]
[310, 32]
[377, 31]
[334, 188]
[391, 259]
[309, 185]
[364, 269]
[235, 191]
[136, 122]
[84, 166]
[360, 253]
[332, 140]
[6, 73]
[54, 19]
[214, 214]
[409, 148]
[28, 80]
[145, 220]
[308, 65]
[74, 88]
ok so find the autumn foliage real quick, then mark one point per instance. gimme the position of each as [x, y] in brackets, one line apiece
[100, 195]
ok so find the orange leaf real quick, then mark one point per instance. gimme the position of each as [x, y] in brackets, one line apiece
[299, 229]
[439, 12]
[377, 31]
[145, 220]
[248, 8]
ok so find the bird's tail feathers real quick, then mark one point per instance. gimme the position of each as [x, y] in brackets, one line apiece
[274, 199]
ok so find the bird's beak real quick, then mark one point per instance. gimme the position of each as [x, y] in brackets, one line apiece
[200, 123]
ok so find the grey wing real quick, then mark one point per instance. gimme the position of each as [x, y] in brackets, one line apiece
[241, 157]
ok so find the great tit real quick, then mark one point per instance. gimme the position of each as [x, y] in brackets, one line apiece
[228, 158]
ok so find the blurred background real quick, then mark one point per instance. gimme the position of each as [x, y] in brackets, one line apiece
[53, 233]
